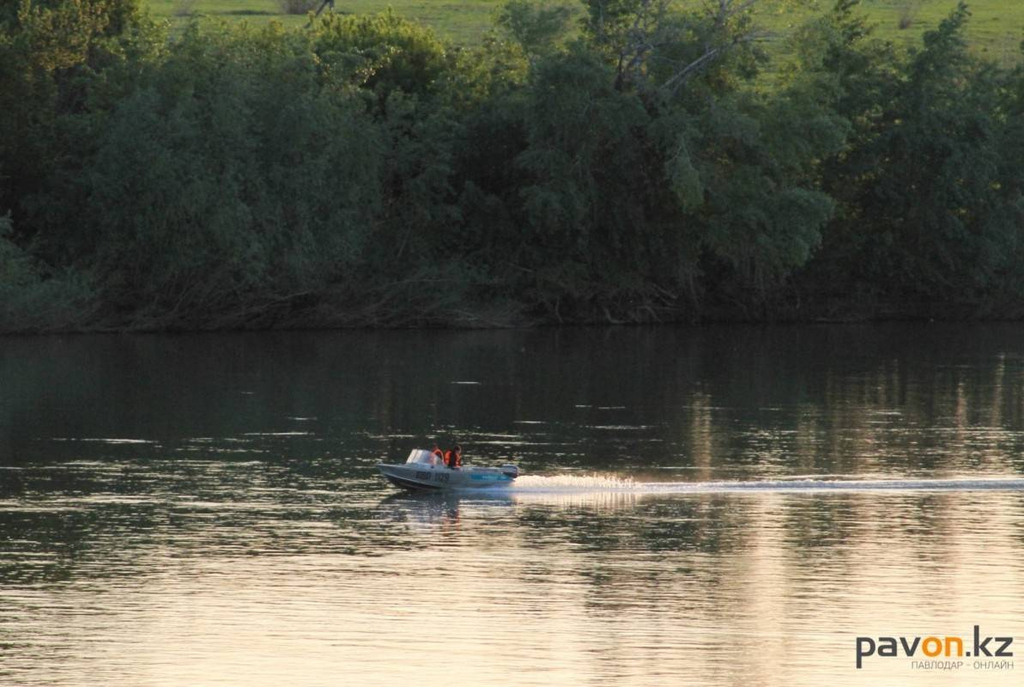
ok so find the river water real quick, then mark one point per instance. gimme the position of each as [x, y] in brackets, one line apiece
[728, 505]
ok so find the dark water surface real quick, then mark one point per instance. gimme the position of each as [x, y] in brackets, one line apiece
[718, 506]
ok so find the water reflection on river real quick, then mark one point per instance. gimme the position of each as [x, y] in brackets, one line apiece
[186, 510]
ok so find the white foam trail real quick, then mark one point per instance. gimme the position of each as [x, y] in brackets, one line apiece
[277, 434]
[569, 483]
[596, 483]
[105, 440]
[621, 427]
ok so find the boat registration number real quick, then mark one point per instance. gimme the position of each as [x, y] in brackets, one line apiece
[436, 477]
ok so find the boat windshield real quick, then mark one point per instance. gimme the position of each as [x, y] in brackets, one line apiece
[419, 455]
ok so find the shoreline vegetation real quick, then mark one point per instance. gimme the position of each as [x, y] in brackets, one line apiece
[620, 161]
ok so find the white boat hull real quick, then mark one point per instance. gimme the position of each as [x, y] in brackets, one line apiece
[425, 476]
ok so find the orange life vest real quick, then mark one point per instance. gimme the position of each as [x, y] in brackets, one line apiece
[452, 458]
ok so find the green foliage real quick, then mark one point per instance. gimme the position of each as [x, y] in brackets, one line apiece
[54, 58]
[234, 179]
[762, 216]
[536, 28]
[15, 266]
[31, 300]
[585, 156]
[381, 53]
[365, 172]
[923, 183]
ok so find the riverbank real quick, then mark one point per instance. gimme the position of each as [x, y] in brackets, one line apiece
[306, 314]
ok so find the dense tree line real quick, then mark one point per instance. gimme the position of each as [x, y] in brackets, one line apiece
[630, 161]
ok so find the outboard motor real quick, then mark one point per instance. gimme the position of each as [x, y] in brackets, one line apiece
[510, 471]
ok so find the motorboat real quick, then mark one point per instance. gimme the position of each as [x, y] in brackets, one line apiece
[425, 471]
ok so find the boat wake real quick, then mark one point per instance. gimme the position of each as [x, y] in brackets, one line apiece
[596, 483]
[612, 492]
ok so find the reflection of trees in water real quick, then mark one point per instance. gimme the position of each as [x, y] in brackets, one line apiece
[885, 399]
[822, 398]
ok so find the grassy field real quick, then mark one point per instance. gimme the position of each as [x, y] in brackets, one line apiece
[997, 26]
[462, 22]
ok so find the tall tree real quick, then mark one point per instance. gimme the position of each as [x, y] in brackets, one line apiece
[923, 215]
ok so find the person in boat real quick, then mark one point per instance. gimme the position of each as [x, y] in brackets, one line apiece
[453, 457]
[438, 455]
